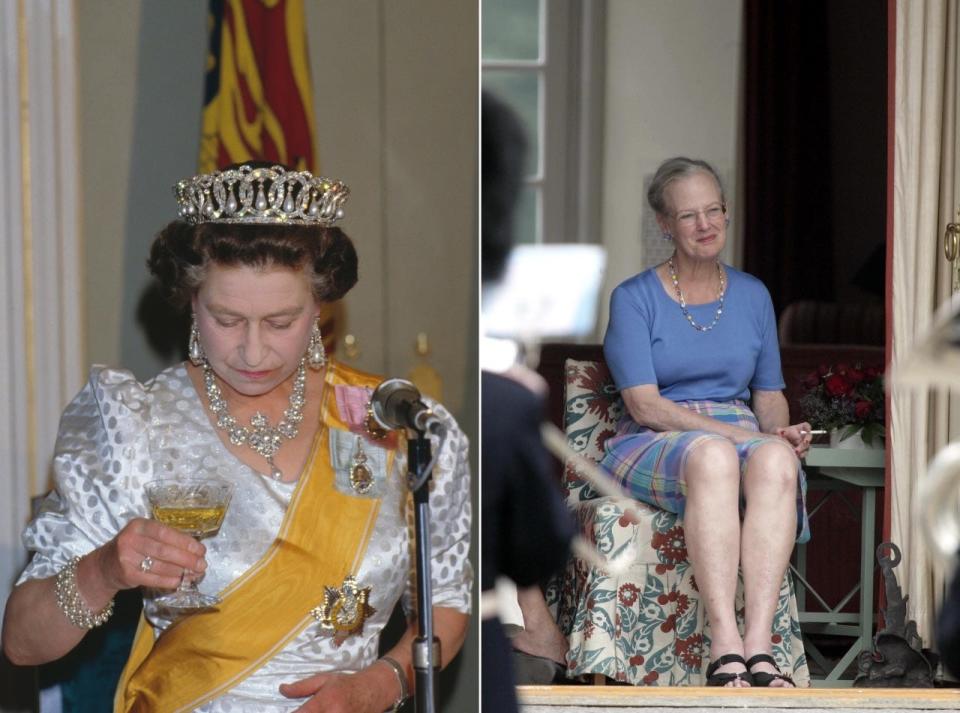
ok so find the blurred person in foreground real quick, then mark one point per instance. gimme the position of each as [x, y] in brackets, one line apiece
[526, 528]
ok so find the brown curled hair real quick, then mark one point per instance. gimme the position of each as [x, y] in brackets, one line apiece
[181, 254]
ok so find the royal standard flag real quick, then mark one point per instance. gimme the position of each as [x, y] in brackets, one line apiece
[258, 102]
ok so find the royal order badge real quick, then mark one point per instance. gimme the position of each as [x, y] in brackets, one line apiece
[343, 610]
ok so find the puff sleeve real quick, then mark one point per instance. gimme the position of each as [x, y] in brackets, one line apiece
[450, 517]
[100, 463]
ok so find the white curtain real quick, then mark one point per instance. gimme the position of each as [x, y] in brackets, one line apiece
[41, 353]
[924, 201]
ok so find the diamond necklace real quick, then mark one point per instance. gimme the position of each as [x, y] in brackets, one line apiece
[683, 303]
[260, 436]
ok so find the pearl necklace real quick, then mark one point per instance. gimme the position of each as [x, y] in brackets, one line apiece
[683, 303]
[260, 436]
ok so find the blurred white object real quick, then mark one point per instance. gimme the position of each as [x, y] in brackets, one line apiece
[547, 291]
[498, 355]
[935, 362]
[939, 503]
[935, 358]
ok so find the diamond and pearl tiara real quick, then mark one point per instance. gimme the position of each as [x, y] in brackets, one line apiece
[261, 195]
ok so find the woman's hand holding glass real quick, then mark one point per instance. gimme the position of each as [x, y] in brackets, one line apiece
[169, 551]
[195, 507]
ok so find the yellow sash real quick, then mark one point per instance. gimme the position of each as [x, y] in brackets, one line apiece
[203, 655]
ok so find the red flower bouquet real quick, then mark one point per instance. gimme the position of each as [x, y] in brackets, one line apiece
[846, 398]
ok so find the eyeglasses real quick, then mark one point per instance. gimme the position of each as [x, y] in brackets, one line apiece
[713, 213]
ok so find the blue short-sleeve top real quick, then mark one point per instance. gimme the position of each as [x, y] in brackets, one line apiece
[649, 341]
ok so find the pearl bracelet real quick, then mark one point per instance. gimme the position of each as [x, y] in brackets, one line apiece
[72, 604]
[401, 679]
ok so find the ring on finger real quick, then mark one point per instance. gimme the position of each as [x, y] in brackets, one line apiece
[146, 563]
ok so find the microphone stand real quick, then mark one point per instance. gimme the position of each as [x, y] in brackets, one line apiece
[426, 647]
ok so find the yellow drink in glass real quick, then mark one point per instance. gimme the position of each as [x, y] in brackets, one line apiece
[196, 507]
[196, 521]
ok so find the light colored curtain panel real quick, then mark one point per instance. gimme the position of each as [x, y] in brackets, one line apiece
[923, 185]
[41, 351]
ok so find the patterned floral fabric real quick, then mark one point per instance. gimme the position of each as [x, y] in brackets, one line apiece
[645, 626]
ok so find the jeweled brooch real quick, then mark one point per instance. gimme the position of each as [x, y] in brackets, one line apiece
[361, 477]
[343, 610]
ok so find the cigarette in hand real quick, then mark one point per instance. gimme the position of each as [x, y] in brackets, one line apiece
[816, 432]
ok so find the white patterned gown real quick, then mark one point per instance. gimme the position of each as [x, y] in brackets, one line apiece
[117, 435]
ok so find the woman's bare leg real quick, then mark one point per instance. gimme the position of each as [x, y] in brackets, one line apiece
[768, 534]
[711, 525]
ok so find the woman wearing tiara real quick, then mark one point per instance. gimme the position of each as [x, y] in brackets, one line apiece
[315, 549]
[690, 342]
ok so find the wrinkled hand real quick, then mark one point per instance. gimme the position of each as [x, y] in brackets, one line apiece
[798, 436]
[172, 552]
[366, 691]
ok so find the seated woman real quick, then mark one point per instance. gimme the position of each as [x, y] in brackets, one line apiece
[314, 551]
[689, 343]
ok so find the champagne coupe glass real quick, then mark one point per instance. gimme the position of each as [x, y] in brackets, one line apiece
[197, 507]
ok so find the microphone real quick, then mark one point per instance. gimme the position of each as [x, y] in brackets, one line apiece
[396, 403]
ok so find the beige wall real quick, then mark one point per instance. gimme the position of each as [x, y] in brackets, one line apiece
[107, 66]
[672, 88]
[140, 90]
[395, 92]
[396, 105]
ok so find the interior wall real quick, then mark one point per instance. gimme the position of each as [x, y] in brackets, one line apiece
[673, 73]
[107, 61]
[395, 93]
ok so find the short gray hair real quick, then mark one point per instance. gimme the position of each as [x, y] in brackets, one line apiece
[673, 169]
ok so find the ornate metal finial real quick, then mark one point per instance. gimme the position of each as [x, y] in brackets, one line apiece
[261, 195]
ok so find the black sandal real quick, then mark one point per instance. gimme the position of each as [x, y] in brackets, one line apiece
[763, 679]
[722, 679]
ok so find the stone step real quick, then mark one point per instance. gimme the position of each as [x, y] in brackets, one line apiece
[629, 699]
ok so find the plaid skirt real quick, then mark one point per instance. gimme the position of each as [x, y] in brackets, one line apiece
[649, 464]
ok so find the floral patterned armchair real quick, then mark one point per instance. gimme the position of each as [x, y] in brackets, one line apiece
[646, 626]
